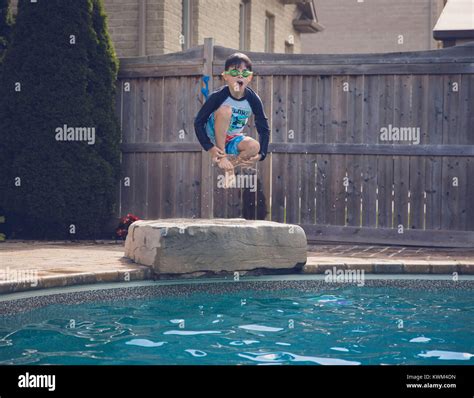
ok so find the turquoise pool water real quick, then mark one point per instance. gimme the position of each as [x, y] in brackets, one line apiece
[350, 325]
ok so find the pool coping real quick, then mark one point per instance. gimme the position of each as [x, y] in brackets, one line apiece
[76, 279]
[142, 273]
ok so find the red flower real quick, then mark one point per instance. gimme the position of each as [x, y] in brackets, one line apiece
[125, 222]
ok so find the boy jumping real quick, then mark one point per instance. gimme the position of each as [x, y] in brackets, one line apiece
[222, 118]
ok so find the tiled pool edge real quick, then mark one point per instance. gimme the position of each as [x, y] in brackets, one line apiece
[20, 302]
[86, 278]
[395, 267]
[311, 268]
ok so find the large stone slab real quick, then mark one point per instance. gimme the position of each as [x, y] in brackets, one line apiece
[176, 246]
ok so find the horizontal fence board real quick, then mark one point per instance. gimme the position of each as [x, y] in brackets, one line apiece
[388, 236]
[162, 147]
[372, 69]
[145, 71]
[374, 149]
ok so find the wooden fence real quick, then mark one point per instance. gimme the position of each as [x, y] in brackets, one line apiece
[329, 168]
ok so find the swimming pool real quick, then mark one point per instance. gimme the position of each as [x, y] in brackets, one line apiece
[270, 322]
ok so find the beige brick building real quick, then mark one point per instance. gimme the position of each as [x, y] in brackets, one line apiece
[368, 26]
[151, 27]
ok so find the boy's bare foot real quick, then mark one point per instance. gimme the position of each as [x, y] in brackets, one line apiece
[245, 163]
[225, 164]
[236, 161]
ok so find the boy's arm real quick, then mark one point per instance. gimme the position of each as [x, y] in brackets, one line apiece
[261, 121]
[214, 101]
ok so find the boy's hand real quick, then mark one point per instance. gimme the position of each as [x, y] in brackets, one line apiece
[216, 154]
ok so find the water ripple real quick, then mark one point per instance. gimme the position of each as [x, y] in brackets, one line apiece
[196, 353]
[282, 357]
[145, 343]
[191, 332]
[447, 355]
[260, 328]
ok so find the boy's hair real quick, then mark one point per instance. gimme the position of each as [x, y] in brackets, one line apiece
[237, 59]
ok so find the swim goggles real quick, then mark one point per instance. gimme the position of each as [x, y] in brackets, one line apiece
[236, 73]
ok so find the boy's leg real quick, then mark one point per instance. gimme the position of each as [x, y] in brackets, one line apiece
[248, 148]
[222, 118]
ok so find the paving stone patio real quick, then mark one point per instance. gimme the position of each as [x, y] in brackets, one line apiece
[56, 264]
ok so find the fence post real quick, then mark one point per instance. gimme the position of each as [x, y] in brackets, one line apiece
[207, 202]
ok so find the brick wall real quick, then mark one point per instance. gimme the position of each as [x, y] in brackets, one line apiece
[172, 23]
[123, 25]
[155, 39]
[373, 26]
[123, 17]
[211, 18]
[220, 19]
[284, 15]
